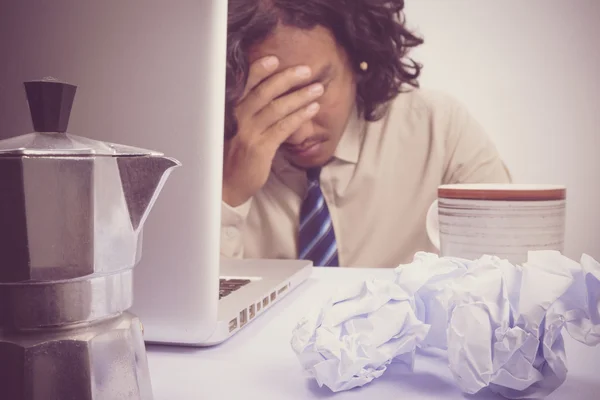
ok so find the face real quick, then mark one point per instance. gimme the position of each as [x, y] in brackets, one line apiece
[314, 143]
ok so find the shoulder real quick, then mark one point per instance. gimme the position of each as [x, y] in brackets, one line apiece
[426, 114]
[432, 113]
[426, 103]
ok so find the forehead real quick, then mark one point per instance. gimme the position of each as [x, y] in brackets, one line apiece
[294, 46]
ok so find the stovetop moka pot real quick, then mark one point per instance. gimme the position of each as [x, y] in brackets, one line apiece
[71, 216]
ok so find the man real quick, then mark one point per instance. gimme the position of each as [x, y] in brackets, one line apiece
[332, 152]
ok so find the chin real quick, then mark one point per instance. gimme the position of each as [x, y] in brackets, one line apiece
[308, 162]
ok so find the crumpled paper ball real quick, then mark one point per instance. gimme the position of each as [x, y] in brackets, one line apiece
[579, 306]
[501, 324]
[505, 322]
[428, 279]
[357, 333]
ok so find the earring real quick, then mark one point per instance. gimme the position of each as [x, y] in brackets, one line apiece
[364, 66]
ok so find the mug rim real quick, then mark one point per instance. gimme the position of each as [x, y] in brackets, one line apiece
[503, 192]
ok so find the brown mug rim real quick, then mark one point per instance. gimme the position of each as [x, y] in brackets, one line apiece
[508, 192]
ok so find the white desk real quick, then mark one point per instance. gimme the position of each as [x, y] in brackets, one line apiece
[259, 363]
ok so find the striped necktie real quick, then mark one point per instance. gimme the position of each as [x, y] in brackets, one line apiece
[316, 237]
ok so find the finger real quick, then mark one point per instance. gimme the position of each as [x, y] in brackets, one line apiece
[260, 70]
[283, 129]
[273, 87]
[283, 106]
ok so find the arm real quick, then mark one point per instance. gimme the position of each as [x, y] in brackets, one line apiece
[233, 220]
[471, 156]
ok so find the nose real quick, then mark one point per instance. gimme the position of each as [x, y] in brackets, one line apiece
[305, 131]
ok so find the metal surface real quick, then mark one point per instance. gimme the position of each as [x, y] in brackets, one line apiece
[66, 213]
[56, 144]
[102, 361]
[71, 217]
[55, 303]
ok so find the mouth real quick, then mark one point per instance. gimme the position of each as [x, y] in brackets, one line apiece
[304, 151]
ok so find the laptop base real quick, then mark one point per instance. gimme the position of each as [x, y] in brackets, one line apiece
[269, 282]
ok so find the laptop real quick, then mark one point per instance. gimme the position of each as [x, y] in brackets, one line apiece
[152, 75]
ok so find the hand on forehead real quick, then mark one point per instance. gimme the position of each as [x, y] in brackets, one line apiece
[315, 48]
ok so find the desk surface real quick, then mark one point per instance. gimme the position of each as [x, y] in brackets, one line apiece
[258, 362]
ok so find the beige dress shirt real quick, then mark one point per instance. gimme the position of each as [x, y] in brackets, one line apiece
[379, 186]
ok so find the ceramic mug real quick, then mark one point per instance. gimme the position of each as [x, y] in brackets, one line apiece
[504, 220]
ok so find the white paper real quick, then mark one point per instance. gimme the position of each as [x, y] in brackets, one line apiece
[505, 322]
[428, 279]
[501, 324]
[358, 332]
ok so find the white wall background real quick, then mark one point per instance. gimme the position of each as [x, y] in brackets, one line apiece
[529, 70]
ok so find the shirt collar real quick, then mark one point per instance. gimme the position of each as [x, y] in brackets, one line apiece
[348, 148]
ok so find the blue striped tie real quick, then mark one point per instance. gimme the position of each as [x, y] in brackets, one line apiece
[316, 236]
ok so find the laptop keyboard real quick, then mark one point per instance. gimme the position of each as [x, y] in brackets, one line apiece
[228, 286]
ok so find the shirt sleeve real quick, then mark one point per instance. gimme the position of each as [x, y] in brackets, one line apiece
[471, 156]
[233, 220]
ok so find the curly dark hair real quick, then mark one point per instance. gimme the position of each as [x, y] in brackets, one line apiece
[369, 30]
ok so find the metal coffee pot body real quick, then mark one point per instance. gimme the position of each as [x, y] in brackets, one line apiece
[71, 216]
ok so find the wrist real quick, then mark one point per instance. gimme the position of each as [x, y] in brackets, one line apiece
[233, 198]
